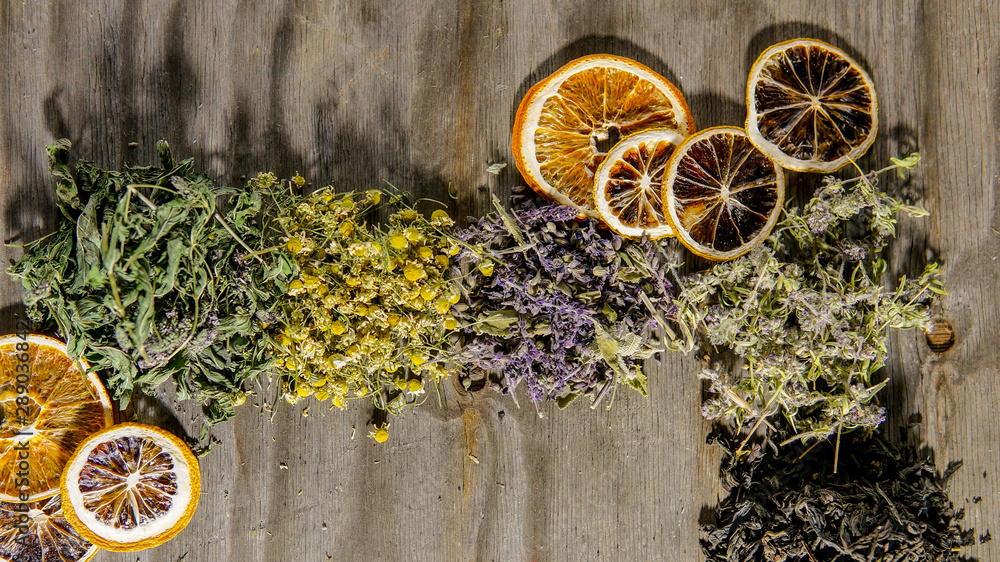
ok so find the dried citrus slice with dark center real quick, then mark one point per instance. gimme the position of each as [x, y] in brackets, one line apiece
[722, 194]
[810, 107]
[131, 487]
[38, 532]
[567, 122]
[628, 189]
[48, 407]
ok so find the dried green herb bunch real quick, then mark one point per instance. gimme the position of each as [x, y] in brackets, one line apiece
[146, 279]
[369, 313]
[808, 313]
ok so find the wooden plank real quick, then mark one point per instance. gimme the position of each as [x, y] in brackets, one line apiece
[423, 94]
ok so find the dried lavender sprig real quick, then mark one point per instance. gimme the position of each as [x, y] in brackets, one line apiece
[559, 305]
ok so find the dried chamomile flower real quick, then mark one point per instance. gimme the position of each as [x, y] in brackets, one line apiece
[808, 313]
[556, 304]
[380, 434]
[369, 312]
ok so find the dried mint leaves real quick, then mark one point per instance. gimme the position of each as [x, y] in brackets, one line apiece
[145, 278]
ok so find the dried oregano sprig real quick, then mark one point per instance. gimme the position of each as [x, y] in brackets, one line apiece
[557, 304]
[147, 279]
[369, 313]
[808, 313]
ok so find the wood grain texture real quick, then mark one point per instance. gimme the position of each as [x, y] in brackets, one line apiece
[423, 94]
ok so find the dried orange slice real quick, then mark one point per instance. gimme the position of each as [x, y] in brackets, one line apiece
[131, 487]
[48, 407]
[46, 535]
[565, 120]
[628, 188]
[722, 194]
[810, 107]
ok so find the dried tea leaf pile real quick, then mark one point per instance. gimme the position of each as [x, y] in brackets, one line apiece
[808, 312]
[145, 280]
[558, 305]
[884, 503]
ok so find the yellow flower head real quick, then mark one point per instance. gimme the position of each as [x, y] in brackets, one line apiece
[398, 242]
[381, 434]
[413, 234]
[413, 272]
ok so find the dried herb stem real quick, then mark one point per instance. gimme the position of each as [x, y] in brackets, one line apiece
[133, 191]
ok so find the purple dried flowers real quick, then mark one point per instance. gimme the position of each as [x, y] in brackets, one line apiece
[557, 304]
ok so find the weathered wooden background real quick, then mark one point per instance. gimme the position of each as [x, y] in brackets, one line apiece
[423, 93]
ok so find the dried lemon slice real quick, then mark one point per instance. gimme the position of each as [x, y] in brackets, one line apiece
[628, 189]
[131, 487]
[48, 536]
[722, 194]
[564, 120]
[49, 406]
[810, 107]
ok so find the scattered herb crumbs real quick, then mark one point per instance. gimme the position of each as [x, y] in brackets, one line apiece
[808, 313]
[146, 279]
[556, 304]
[370, 311]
